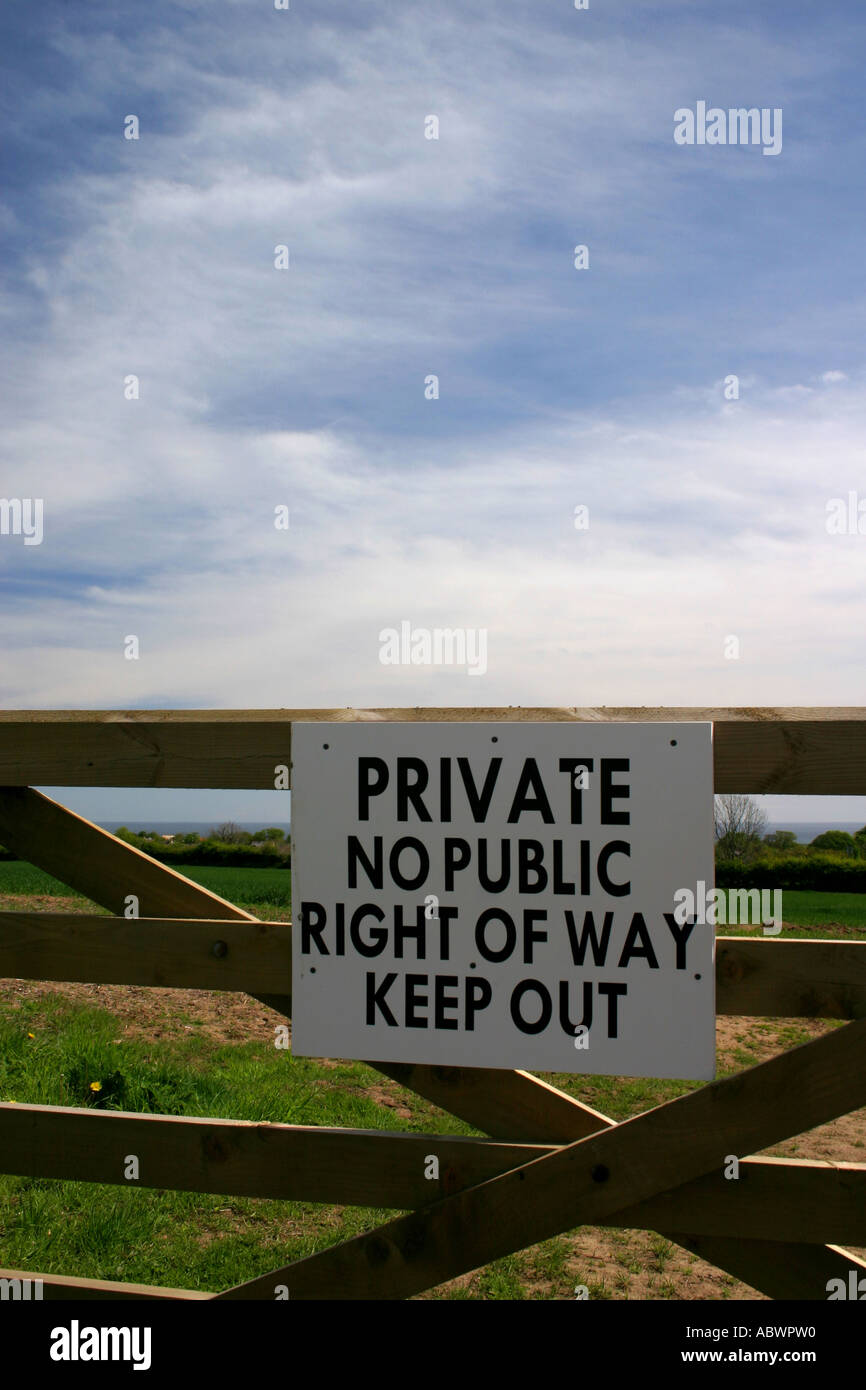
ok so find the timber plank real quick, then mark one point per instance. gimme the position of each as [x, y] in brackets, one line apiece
[166, 952]
[794, 1201]
[788, 979]
[803, 750]
[95, 862]
[776, 978]
[516, 1108]
[106, 869]
[245, 1158]
[506, 1104]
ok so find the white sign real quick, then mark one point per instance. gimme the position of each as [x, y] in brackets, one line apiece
[503, 895]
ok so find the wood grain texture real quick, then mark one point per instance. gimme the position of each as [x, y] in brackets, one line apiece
[785, 1200]
[516, 1106]
[585, 1181]
[777, 978]
[756, 750]
[240, 1158]
[106, 869]
[754, 977]
[166, 952]
[506, 1104]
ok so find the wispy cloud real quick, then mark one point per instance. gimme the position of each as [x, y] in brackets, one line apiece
[305, 387]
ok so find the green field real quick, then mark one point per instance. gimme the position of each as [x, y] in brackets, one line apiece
[818, 913]
[271, 886]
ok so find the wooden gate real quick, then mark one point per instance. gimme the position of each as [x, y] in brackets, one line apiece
[551, 1163]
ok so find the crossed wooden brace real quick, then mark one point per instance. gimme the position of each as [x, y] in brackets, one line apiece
[604, 1170]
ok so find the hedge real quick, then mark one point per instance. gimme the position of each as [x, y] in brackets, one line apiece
[228, 856]
[829, 873]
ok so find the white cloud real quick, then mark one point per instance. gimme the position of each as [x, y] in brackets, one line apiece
[707, 516]
[702, 527]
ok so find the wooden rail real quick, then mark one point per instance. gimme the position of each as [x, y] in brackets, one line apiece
[804, 750]
[754, 977]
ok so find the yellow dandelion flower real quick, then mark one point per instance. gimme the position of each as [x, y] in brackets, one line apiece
[96, 1085]
[31, 1035]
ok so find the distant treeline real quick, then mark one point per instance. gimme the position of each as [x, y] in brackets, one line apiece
[830, 873]
[227, 845]
[834, 861]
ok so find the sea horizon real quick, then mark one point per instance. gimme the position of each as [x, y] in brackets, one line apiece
[184, 827]
[804, 830]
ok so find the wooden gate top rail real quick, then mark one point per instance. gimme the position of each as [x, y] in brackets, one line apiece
[804, 750]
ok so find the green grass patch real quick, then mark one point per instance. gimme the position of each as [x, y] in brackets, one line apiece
[819, 914]
[56, 1053]
[272, 887]
[19, 878]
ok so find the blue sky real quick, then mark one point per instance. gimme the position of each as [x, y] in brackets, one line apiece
[408, 257]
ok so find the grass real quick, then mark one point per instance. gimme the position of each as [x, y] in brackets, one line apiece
[817, 912]
[819, 915]
[270, 887]
[818, 909]
[51, 1053]
[273, 888]
[267, 887]
[19, 878]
